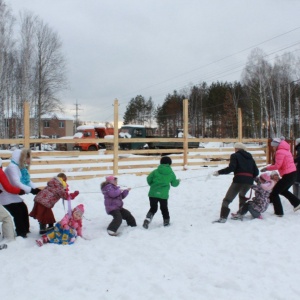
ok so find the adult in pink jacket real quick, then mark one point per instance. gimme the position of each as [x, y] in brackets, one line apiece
[284, 163]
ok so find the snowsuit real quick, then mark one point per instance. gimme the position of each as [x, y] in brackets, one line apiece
[245, 170]
[113, 201]
[284, 163]
[12, 202]
[66, 231]
[46, 199]
[160, 181]
[258, 204]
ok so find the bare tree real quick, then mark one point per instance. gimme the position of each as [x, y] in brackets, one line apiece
[49, 72]
[6, 65]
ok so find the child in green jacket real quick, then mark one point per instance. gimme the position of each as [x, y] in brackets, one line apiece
[160, 181]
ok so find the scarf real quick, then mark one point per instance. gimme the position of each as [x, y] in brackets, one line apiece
[25, 177]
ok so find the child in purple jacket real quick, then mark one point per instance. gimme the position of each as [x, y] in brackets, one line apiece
[113, 201]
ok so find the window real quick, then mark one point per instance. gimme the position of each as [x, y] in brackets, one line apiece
[61, 124]
[46, 124]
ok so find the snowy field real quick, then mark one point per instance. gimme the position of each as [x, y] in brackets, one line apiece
[191, 259]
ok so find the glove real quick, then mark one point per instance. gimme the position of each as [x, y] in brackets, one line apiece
[216, 173]
[74, 195]
[264, 169]
[22, 192]
[35, 191]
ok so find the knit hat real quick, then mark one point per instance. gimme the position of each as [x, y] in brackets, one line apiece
[165, 160]
[79, 208]
[110, 178]
[239, 145]
[297, 142]
[276, 141]
[265, 177]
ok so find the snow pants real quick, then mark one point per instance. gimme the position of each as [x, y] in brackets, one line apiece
[163, 207]
[282, 188]
[235, 189]
[19, 212]
[8, 231]
[119, 215]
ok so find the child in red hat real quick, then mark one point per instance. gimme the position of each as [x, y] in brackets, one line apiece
[66, 231]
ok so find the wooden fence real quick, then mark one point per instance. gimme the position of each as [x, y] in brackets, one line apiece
[97, 164]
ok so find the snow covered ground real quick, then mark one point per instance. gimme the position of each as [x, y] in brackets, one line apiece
[191, 259]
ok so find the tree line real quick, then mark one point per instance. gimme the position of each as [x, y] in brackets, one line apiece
[268, 95]
[32, 68]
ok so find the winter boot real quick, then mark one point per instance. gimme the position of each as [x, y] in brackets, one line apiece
[148, 219]
[223, 215]
[43, 228]
[237, 216]
[112, 233]
[41, 241]
[166, 222]
[50, 227]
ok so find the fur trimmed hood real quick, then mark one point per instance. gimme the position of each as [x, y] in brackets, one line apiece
[19, 157]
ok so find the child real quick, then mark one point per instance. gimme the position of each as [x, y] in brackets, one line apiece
[275, 176]
[160, 181]
[260, 202]
[44, 201]
[113, 201]
[66, 231]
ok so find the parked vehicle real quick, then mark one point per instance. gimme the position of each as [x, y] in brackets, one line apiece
[89, 132]
[139, 131]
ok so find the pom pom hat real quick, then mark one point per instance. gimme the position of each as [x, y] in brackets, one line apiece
[79, 208]
[110, 178]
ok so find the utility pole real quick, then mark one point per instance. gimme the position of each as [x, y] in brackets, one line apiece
[76, 115]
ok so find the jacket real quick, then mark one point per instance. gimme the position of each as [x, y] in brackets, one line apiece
[51, 193]
[262, 193]
[113, 196]
[13, 174]
[244, 167]
[71, 222]
[161, 180]
[5, 184]
[284, 161]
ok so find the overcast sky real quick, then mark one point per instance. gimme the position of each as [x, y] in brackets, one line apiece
[124, 48]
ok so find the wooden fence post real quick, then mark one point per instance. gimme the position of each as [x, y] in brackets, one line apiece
[185, 130]
[116, 137]
[26, 125]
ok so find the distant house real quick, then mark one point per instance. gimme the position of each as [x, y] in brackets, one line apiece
[54, 125]
[57, 125]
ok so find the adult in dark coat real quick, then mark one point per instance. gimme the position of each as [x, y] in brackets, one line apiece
[245, 170]
[296, 185]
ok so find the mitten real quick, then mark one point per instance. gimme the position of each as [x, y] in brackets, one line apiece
[22, 192]
[75, 194]
[264, 169]
[35, 191]
[216, 173]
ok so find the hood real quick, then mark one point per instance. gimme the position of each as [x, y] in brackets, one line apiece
[164, 169]
[245, 154]
[19, 157]
[284, 146]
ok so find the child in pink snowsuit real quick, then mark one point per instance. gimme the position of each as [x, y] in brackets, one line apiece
[66, 231]
[258, 204]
